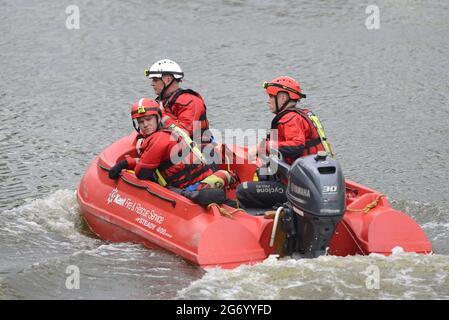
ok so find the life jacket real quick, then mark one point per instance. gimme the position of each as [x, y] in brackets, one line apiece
[316, 136]
[186, 171]
[181, 99]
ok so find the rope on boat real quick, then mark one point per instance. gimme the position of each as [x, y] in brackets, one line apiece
[275, 224]
[369, 206]
[353, 239]
[223, 211]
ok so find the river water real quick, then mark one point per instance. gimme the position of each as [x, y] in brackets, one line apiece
[65, 95]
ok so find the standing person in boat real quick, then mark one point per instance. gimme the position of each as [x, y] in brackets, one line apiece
[183, 107]
[299, 133]
[164, 156]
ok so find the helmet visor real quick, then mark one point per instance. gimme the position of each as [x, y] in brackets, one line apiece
[160, 73]
[277, 85]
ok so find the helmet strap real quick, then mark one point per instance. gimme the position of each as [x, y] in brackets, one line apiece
[166, 87]
[277, 104]
[283, 105]
[136, 125]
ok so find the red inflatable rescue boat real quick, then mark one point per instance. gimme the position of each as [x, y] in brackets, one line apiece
[132, 210]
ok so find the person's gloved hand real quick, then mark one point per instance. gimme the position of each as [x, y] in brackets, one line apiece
[114, 172]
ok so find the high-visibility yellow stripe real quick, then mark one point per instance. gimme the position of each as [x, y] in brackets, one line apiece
[160, 178]
[320, 129]
[191, 144]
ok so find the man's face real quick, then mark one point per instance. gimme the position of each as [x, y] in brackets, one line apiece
[147, 124]
[282, 98]
[272, 103]
[157, 85]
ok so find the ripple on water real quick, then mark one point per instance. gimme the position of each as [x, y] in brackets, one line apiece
[402, 276]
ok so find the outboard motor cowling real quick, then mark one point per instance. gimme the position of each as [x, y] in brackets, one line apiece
[316, 204]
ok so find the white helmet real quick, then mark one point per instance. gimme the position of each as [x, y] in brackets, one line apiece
[165, 66]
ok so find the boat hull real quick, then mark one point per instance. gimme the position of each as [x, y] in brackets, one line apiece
[140, 211]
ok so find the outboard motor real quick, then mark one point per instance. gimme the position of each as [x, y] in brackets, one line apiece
[316, 203]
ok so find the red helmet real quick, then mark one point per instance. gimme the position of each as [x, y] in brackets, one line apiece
[284, 84]
[145, 107]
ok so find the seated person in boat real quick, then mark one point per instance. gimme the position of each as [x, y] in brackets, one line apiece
[165, 157]
[183, 107]
[299, 133]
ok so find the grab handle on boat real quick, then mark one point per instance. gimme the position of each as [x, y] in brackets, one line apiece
[275, 224]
